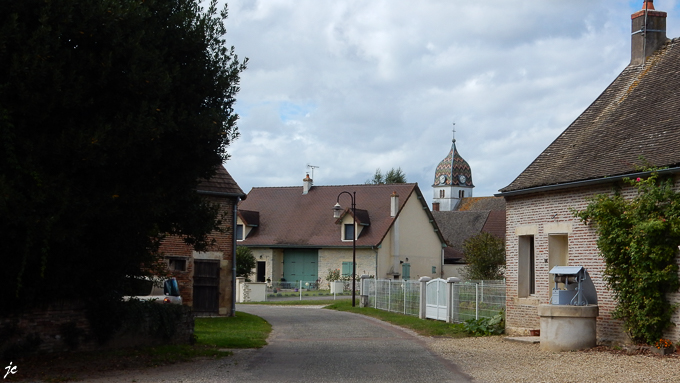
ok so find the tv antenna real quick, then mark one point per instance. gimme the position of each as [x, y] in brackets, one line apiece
[312, 167]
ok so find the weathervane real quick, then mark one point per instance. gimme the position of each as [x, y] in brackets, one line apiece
[454, 132]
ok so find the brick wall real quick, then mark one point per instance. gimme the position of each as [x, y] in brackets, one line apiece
[174, 246]
[551, 209]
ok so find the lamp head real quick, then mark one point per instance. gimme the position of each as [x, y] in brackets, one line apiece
[336, 210]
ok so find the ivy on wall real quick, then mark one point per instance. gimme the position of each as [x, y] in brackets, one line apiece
[638, 239]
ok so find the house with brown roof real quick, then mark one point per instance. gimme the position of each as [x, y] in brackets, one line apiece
[475, 215]
[206, 279]
[295, 237]
[634, 122]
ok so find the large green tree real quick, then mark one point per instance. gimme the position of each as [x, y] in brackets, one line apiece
[485, 257]
[110, 113]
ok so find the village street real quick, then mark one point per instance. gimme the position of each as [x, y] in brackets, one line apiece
[310, 344]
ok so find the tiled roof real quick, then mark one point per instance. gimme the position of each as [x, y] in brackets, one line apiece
[289, 218]
[458, 226]
[634, 122]
[452, 167]
[221, 182]
[482, 204]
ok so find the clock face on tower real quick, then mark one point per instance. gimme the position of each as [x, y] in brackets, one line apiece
[442, 179]
[461, 178]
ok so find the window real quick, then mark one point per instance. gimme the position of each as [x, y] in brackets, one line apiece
[442, 194]
[349, 231]
[526, 273]
[239, 232]
[347, 269]
[434, 269]
[177, 264]
[461, 193]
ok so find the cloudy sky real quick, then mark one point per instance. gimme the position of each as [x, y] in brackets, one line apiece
[351, 86]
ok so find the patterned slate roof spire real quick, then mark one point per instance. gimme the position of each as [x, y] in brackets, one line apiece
[453, 170]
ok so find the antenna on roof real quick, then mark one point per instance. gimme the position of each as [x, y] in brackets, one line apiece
[312, 167]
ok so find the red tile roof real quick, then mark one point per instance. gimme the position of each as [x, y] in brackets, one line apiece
[287, 218]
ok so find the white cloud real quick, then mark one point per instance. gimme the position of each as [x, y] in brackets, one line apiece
[351, 86]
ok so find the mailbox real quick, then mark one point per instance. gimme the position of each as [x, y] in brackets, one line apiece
[578, 287]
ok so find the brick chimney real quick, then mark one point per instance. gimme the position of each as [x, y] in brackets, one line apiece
[648, 32]
[306, 184]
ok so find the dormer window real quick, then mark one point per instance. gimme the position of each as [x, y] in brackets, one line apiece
[349, 231]
[239, 232]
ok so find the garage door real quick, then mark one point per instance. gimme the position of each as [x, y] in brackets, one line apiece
[301, 265]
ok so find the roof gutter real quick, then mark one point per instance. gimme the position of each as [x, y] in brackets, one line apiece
[222, 194]
[595, 181]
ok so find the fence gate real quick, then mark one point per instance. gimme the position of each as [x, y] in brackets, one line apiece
[435, 307]
[206, 286]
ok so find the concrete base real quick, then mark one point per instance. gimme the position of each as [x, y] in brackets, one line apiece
[566, 327]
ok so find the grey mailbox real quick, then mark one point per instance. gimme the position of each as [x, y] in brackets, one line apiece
[578, 287]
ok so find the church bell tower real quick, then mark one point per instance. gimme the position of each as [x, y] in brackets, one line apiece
[452, 181]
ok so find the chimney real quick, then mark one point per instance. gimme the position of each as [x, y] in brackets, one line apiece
[394, 204]
[306, 184]
[648, 32]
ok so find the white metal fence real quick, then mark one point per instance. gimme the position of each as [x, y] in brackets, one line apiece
[469, 300]
[307, 289]
[396, 296]
[477, 299]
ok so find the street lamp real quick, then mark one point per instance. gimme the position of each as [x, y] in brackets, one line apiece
[336, 214]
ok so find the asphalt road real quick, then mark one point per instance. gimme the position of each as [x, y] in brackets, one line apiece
[317, 345]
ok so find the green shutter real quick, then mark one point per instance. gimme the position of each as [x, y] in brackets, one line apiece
[406, 271]
[347, 269]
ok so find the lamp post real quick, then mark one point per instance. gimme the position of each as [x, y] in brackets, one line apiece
[336, 214]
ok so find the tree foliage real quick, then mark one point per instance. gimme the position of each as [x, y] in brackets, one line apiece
[394, 176]
[638, 238]
[245, 262]
[485, 257]
[110, 113]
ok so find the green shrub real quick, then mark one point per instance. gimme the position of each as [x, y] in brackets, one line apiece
[486, 326]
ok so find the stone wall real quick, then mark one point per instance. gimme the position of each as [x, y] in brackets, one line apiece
[64, 326]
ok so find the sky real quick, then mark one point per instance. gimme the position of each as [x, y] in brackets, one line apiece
[350, 86]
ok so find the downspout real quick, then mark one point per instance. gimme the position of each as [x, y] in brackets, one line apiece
[233, 254]
[376, 261]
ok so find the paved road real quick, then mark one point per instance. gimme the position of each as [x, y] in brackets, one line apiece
[317, 345]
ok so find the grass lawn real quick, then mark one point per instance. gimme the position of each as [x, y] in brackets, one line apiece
[241, 331]
[426, 327]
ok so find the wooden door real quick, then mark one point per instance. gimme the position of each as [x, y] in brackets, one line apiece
[206, 286]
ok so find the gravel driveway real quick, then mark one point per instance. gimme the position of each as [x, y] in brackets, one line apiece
[493, 359]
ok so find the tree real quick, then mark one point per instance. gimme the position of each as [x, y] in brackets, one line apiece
[485, 257]
[394, 176]
[245, 262]
[111, 111]
[638, 239]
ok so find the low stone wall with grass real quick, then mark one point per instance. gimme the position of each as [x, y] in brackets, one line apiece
[75, 326]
